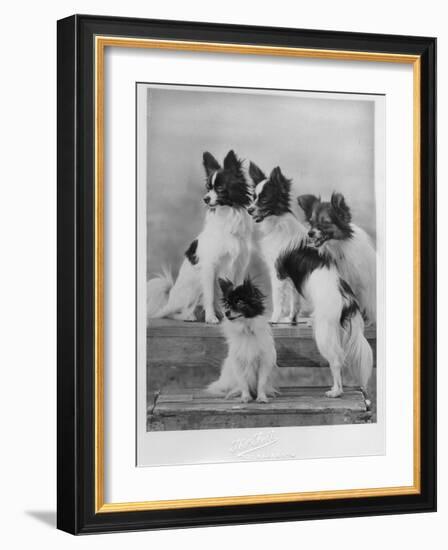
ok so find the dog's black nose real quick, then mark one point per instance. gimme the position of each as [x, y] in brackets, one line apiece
[311, 233]
[206, 199]
[227, 314]
[251, 210]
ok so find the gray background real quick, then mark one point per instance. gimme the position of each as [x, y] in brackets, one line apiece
[322, 144]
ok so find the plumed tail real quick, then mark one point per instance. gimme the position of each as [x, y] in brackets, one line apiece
[157, 292]
[358, 353]
[228, 385]
[219, 387]
[225, 383]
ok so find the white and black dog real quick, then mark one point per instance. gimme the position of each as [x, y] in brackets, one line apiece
[250, 369]
[279, 228]
[337, 320]
[335, 237]
[222, 249]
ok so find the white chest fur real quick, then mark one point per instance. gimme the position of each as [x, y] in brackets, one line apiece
[277, 233]
[233, 221]
[250, 341]
[356, 262]
[227, 232]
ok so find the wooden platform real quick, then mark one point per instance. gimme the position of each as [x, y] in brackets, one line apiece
[295, 406]
[184, 358]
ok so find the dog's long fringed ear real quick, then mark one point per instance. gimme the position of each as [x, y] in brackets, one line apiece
[226, 286]
[231, 162]
[255, 173]
[306, 203]
[279, 179]
[252, 290]
[210, 163]
[341, 208]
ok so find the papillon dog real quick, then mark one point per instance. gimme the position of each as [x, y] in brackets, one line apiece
[250, 369]
[337, 321]
[278, 228]
[336, 238]
[222, 249]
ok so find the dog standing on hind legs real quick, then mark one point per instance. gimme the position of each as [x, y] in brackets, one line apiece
[222, 249]
[250, 369]
[337, 320]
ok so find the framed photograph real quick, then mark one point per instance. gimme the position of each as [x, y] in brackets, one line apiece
[246, 274]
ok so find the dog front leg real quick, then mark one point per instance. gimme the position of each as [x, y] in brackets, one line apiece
[208, 291]
[261, 384]
[294, 304]
[240, 269]
[242, 385]
[277, 297]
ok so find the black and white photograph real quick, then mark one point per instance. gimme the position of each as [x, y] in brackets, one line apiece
[261, 261]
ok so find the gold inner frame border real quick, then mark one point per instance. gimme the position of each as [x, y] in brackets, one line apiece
[100, 44]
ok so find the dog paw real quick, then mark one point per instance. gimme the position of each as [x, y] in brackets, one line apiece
[333, 392]
[245, 398]
[289, 320]
[189, 318]
[274, 319]
[211, 319]
[262, 399]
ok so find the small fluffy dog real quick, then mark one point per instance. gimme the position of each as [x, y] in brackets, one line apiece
[337, 239]
[250, 368]
[337, 321]
[279, 228]
[222, 249]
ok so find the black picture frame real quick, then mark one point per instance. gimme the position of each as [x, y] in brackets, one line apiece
[76, 255]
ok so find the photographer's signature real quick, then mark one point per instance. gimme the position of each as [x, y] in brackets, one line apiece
[258, 446]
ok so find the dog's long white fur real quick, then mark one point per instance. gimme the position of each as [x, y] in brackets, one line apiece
[277, 233]
[322, 294]
[355, 259]
[251, 365]
[224, 248]
[158, 291]
[339, 345]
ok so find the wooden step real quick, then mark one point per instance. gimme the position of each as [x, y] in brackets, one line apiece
[295, 406]
[190, 355]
